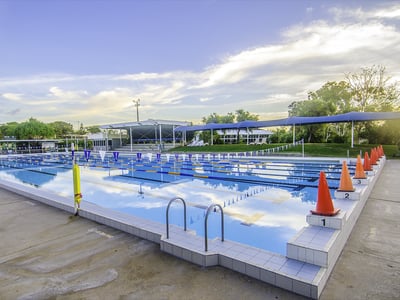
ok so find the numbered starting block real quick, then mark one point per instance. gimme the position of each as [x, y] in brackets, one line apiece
[356, 195]
[361, 181]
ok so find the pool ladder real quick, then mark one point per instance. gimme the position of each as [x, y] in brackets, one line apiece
[184, 213]
[209, 209]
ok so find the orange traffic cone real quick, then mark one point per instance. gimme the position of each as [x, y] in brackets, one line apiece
[377, 156]
[373, 157]
[360, 174]
[324, 202]
[382, 153]
[346, 184]
[367, 162]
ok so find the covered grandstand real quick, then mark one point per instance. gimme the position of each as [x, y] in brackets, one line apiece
[158, 133]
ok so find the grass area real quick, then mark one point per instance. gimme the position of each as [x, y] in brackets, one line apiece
[317, 150]
[342, 150]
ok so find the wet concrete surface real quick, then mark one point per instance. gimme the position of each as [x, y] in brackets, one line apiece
[369, 266]
[46, 253]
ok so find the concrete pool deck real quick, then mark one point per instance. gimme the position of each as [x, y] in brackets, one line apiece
[46, 252]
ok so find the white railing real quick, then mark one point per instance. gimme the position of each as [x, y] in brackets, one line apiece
[139, 155]
[286, 147]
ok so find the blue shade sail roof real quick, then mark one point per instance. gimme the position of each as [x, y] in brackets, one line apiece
[347, 117]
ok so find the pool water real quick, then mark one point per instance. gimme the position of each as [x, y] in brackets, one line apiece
[265, 202]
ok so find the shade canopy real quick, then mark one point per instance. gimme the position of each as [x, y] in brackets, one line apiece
[293, 121]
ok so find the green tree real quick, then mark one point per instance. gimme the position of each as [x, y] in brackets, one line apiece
[369, 90]
[93, 129]
[390, 132]
[81, 130]
[332, 98]
[212, 118]
[61, 128]
[373, 90]
[206, 137]
[8, 129]
[33, 129]
[242, 115]
[215, 118]
[239, 116]
[281, 135]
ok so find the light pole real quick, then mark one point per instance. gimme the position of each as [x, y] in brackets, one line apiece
[137, 103]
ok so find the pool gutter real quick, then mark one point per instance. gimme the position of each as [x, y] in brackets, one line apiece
[310, 258]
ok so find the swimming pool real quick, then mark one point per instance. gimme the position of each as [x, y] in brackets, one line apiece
[265, 201]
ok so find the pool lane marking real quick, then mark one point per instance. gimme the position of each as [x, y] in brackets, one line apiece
[200, 176]
[154, 169]
[173, 173]
[246, 220]
[223, 169]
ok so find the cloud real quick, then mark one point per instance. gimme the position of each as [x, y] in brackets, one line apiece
[144, 76]
[263, 79]
[13, 112]
[306, 52]
[12, 96]
[388, 12]
[65, 95]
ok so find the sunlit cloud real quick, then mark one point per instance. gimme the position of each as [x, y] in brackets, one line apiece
[66, 95]
[144, 76]
[388, 12]
[263, 79]
[12, 96]
[205, 99]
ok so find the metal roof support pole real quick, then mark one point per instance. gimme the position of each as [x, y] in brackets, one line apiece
[352, 134]
[212, 138]
[160, 137]
[130, 136]
[106, 140]
[173, 136]
[247, 130]
[294, 134]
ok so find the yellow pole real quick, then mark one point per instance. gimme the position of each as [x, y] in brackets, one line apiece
[77, 187]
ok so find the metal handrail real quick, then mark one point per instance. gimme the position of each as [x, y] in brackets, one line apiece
[205, 224]
[184, 213]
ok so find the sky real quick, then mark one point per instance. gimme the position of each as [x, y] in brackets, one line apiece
[87, 61]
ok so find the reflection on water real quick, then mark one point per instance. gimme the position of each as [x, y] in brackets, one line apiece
[257, 213]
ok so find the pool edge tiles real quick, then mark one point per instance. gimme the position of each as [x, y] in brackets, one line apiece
[263, 265]
[300, 277]
[306, 245]
[254, 262]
